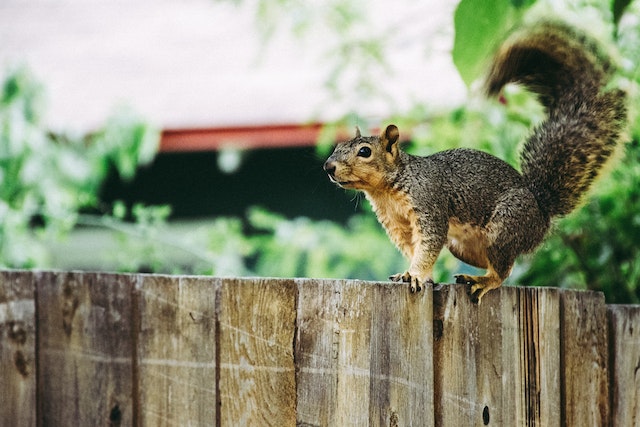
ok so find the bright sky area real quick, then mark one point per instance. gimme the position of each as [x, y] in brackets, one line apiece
[201, 63]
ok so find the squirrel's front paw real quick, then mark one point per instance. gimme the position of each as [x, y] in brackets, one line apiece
[415, 285]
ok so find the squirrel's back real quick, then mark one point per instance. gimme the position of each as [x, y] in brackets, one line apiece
[585, 122]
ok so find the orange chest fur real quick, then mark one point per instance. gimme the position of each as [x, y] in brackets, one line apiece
[395, 212]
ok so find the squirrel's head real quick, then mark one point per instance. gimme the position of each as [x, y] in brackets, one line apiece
[365, 163]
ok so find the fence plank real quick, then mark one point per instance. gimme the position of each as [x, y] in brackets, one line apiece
[624, 330]
[401, 357]
[17, 349]
[584, 349]
[468, 363]
[317, 349]
[493, 363]
[362, 353]
[85, 347]
[256, 324]
[176, 352]
[538, 337]
[530, 360]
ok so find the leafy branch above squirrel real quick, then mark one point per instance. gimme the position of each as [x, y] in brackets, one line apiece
[478, 206]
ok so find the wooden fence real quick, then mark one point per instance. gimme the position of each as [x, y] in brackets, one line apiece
[80, 349]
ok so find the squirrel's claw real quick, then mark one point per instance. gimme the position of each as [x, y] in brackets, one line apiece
[397, 277]
[475, 288]
[463, 279]
[478, 285]
[415, 285]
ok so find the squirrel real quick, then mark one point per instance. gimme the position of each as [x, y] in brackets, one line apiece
[482, 209]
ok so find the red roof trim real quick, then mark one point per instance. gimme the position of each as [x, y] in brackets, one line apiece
[273, 136]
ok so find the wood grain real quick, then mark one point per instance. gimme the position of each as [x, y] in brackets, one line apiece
[401, 366]
[256, 324]
[496, 363]
[332, 356]
[85, 347]
[176, 350]
[624, 338]
[585, 357]
[362, 354]
[17, 349]
[537, 340]
[467, 357]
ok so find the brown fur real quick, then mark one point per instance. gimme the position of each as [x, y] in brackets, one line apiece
[468, 243]
[396, 214]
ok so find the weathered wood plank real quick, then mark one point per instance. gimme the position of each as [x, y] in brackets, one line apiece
[316, 351]
[513, 360]
[624, 339]
[584, 350]
[85, 347]
[362, 354]
[256, 324]
[495, 363]
[176, 350]
[401, 366]
[332, 353]
[17, 349]
[538, 340]
[468, 361]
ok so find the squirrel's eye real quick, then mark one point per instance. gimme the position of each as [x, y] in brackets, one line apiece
[364, 152]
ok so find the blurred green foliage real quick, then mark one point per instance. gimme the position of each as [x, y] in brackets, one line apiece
[47, 178]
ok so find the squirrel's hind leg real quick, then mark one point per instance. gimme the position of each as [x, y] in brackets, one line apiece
[516, 226]
[498, 270]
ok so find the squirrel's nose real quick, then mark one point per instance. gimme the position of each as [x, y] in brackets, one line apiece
[329, 167]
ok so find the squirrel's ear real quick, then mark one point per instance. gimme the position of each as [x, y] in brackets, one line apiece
[390, 136]
[358, 132]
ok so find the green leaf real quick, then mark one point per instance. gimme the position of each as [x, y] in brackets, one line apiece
[479, 26]
[618, 7]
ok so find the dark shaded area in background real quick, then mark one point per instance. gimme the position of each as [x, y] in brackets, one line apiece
[288, 181]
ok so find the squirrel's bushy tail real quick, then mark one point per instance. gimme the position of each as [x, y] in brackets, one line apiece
[585, 121]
